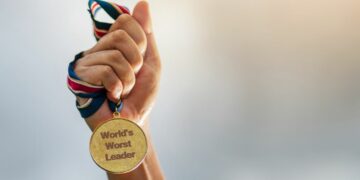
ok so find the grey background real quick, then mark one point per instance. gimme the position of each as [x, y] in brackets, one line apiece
[251, 89]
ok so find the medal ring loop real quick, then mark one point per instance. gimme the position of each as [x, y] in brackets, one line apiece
[118, 108]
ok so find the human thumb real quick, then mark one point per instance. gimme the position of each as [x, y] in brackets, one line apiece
[142, 15]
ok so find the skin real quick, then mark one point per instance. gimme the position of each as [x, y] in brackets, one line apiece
[127, 63]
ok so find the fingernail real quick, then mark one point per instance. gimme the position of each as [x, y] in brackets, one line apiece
[118, 93]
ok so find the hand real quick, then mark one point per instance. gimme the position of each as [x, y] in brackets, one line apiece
[126, 62]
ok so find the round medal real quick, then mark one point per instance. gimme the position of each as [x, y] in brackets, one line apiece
[118, 145]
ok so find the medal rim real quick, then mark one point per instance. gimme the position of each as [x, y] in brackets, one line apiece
[117, 119]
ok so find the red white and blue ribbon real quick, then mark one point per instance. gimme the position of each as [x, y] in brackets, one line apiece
[112, 9]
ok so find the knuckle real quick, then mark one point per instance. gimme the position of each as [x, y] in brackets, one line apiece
[124, 19]
[107, 71]
[129, 79]
[115, 85]
[142, 43]
[137, 61]
[115, 55]
[119, 35]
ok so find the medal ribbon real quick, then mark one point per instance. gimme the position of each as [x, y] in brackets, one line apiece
[112, 9]
[96, 94]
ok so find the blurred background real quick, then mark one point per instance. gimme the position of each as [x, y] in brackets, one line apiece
[251, 89]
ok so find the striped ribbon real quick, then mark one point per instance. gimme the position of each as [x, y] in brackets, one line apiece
[96, 94]
[112, 9]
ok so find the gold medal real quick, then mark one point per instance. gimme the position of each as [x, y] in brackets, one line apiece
[118, 145]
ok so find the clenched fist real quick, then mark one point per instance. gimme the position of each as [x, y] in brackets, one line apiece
[126, 62]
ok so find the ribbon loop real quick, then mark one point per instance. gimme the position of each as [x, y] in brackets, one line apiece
[112, 9]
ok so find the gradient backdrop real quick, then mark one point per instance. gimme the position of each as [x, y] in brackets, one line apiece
[251, 89]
